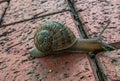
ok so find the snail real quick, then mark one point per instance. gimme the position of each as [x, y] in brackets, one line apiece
[53, 38]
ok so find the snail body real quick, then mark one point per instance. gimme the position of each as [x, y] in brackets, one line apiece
[53, 38]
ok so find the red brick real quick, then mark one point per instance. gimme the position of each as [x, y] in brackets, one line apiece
[14, 67]
[2, 8]
[20, 10]
[75, 67]
[51, 68]
[110, 63]
[95, 14]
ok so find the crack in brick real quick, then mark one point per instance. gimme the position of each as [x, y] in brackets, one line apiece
[3, 14]
[32, 18]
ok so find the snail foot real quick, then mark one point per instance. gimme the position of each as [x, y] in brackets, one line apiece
[36, 53]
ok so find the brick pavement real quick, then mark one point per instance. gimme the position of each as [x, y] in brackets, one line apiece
[110, 63]
[95, 15]
[16, 41]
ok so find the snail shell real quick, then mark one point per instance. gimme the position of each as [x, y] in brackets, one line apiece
[53, 36]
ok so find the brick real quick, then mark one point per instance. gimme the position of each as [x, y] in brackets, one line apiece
[17, 64]
[53, 68]
[110, 64]
[95, 14]
[20, 10]
[12, 67]
[2, 8]
[75, 67]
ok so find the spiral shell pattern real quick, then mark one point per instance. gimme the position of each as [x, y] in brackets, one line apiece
[53, 36]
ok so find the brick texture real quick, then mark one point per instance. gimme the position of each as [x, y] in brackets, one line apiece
[21, 20]
[2, 8]
[20, 10]
[95, 15]
[17, 67]
[110, 63]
